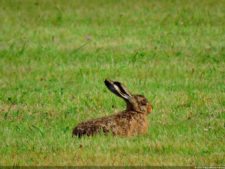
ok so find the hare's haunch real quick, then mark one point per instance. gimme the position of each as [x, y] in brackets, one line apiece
[132, 121]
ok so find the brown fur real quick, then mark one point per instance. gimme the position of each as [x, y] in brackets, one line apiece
[130, 122]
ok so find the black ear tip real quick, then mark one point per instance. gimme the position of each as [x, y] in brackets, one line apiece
[107, 82]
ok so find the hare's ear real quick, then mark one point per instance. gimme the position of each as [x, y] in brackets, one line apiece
[118, 89]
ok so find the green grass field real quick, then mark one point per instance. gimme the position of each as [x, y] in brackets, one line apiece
[55, 55]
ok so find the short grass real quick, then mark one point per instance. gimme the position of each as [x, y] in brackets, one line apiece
[54, 56]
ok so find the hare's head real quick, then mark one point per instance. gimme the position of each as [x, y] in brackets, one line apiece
[134, 102]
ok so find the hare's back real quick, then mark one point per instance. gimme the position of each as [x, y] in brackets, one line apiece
[123, 124]
[85, 129]
[93, 127]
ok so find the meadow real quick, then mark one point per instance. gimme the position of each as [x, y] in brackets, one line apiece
[55, 55]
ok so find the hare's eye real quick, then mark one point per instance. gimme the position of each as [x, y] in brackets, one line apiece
[143, 102]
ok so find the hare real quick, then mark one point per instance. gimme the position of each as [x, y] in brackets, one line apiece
[130, 122]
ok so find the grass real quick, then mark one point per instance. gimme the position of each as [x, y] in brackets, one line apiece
[54, 57]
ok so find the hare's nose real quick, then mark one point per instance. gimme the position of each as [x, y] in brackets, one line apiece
[149, 109]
